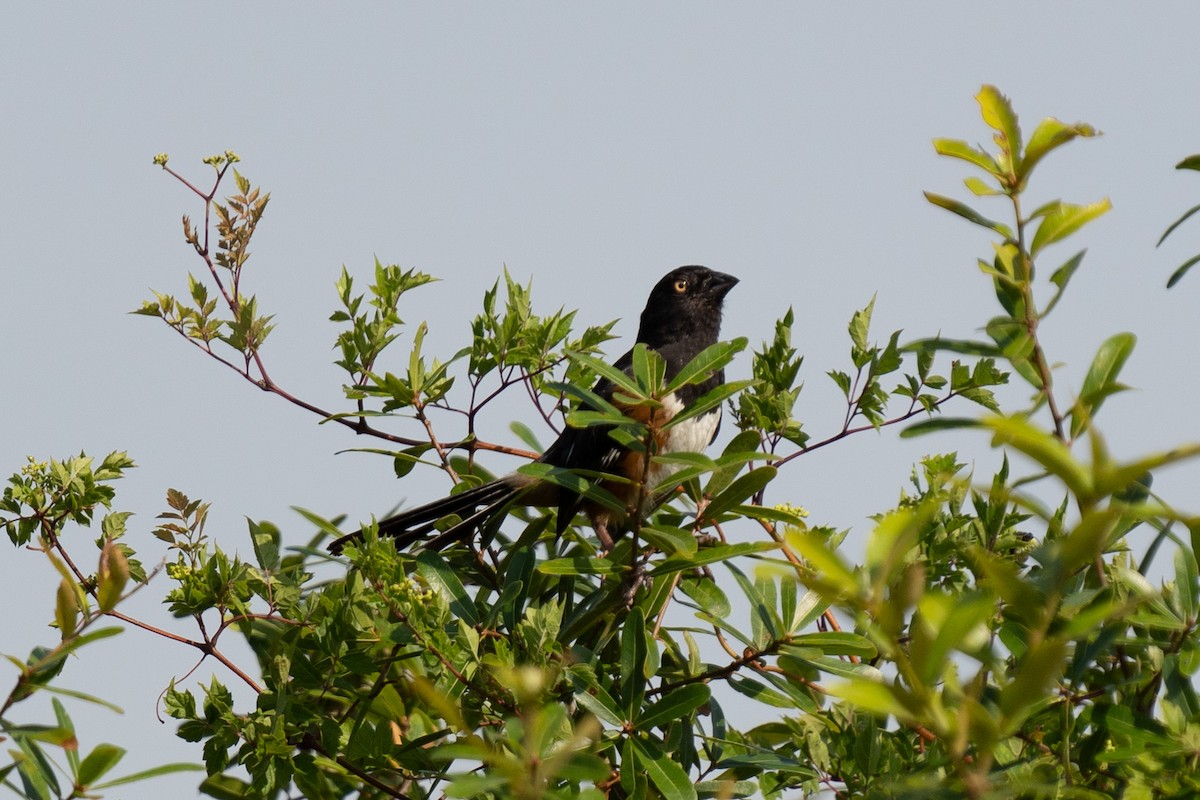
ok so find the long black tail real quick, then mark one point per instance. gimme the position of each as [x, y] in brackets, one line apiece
[475, 507]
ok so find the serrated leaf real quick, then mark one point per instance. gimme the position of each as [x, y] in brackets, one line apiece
[860, 325]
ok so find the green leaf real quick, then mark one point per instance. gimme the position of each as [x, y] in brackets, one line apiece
[1046, 449]
[938, 424]
[874, 696]
[706, 594]
[153, 772]
[998, 114]
[579, 565]
[1049, 135]
[1191, 162]
[111, 576]
[830, 665]
[318, 521]
[967, 347]
[405, 460]
[649, 370]
[1176, 224]
[266, 540]
[599, 703]
[634, 654]
[576, 483]
[711, 555]
[227, 787]
[968, 213]
[766, 626]
[956, 148]
[1063, 219]
[605, 370]
[1035, 672]
[1101, 380]
[726, 789]
[739, 491]
[670, 778]
[674, 705]
[837, 643]
[476, 785]
[860, 325]
[87, 698]
[1187, 584]
[98, 762]
[709, 400]
[1181, 270]
[672, 541]
[439, 574]
[830, 572]
[1061, 277]
[709, 360]
[526, 435]
[980, 187]
[66, 608]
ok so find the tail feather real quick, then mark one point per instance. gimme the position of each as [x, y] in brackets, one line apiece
[475, 506]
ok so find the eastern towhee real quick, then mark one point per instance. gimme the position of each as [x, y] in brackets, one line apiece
[681, 319]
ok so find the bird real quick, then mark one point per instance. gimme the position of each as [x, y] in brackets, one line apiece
[682, 317]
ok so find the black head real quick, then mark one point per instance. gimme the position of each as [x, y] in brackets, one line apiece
[686, 303]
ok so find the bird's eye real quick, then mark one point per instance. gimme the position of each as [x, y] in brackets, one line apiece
[681, 285]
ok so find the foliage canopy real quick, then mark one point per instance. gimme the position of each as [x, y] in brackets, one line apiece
[997, 638]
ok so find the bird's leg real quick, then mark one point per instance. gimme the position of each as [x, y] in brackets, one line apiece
[606, 540]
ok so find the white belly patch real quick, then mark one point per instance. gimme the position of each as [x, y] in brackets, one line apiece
[691, 436]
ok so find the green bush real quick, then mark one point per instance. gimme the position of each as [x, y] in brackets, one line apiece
[997, 638]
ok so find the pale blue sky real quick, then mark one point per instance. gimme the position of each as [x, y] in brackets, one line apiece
[590, 148]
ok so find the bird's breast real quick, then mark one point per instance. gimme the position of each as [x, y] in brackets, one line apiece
[690, 436]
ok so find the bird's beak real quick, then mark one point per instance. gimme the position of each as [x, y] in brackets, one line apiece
[720, 283]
